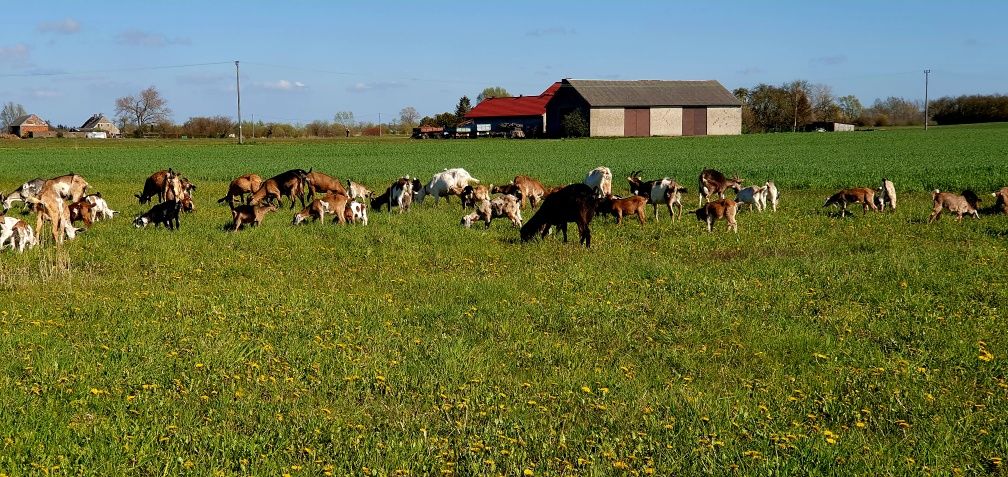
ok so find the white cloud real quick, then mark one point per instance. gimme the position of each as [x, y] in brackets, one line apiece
[45, 93]
[283, 85]
[66, 26]
[17, 54]
[148, 39]
[361, 87]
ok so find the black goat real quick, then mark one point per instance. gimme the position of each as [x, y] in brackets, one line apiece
[574, 203]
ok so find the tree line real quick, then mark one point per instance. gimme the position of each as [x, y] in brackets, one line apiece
[792, 106]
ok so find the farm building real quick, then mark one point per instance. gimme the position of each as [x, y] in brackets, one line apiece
[646, 108]
[29, 125]
[98, 122]
[496, 114]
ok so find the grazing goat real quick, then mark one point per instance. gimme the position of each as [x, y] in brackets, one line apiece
[633, 205]
[250, 214]
[600, 180]
[1001, 200]
[957, 204]
[444, 184]
[752, 195]
[356, 212]
[358, 191]
[886, 195]
[860, 195]
[337, 204]
[155, 185]
[53, 202]
[81, 211]
[470, 195]
[505, 205]
[246, 184]
[574, 203]
[316, 210]
[399, 194]
[99, 208]
[288, 184]
[771, 194]
[322, 183]
[165, 213]
[31, 188]
[526, 188]
[18, 233]
[712, 181]
[660, 191]
[719, 209]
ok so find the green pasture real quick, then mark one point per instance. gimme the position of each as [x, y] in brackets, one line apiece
[805, 344]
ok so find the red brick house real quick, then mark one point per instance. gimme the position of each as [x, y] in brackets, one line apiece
[28, 126]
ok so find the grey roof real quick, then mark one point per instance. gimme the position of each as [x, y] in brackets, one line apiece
[21, 119]
[651, 93]
[94, 120]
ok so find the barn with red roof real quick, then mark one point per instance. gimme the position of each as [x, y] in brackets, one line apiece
[505, 114]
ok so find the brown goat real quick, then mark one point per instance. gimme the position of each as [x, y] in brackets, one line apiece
[532, 191]
[250, 214]
[719, 209]
[246, 184]
[153, 186]
[53, 202]
[1001, 200]
[860, 195]
[81, 211]
[633, 205]
[337, 205]
[955, 203]
[714, 182]
[322, 183]
[316, 210]
[288, 184]
[471, 196]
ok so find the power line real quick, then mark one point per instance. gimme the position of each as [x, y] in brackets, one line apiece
[113, 70]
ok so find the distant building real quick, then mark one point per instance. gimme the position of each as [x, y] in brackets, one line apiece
[527, 112]
[646, 108]
[828, 126]
[29, 125]
[98, 122]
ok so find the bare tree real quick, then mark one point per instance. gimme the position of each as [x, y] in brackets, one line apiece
[11, 111]
[824, 107]
[148, 107]
[408, 117]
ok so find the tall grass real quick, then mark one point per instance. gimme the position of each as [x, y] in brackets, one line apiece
[805, 344]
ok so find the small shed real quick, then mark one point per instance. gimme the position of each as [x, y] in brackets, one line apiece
[29, 125]
[828, 126]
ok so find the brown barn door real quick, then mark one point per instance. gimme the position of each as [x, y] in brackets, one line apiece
[694, 122]
[636, 122]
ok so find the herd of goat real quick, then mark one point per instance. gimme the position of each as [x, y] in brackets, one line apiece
[64, 201]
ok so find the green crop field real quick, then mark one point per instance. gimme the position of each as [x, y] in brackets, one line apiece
[805, 344]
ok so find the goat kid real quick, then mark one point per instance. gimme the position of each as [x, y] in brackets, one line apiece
[886, 195]
[752, 196]
[31, 188]
[957, 204]
[166, 213]
[250, 214]
[316, 210]
[618, 207]
[17, 234]
[1001, 200]
[503, 206]
[719, 209]
[358, 191]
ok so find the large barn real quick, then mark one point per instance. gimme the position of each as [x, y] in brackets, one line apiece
[527, 111]
[646, 108]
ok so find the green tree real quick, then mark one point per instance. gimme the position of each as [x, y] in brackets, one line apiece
[574, 124]
[492, 92]
[850, 108]
[462, 108]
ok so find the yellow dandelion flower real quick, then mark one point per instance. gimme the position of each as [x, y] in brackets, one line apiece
[586, 389]
[528, 472]
[985, 355]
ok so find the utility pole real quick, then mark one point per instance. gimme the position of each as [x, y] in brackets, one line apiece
[926, 74]
[379, 124]
[238, 87]
[253, 126]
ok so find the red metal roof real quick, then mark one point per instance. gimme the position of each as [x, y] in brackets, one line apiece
[517, 106]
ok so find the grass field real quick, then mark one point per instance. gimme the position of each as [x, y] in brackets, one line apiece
[805, 344]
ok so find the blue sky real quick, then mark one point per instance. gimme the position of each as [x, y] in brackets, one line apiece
[306, 60]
